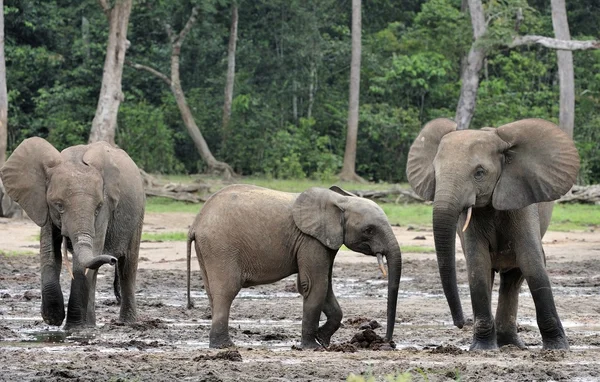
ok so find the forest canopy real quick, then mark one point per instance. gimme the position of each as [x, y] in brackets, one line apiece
[290, 103]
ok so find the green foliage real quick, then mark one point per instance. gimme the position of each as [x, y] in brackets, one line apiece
[290, 105]
[146, 137]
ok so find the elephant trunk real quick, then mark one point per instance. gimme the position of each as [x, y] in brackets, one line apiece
[84, 257]
[394, 259]
[445, 218]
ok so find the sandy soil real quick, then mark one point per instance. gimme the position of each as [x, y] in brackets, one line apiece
[171, 342]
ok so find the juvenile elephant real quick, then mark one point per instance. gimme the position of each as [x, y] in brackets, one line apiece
[247, 235]
[90, 197]
[496, 179]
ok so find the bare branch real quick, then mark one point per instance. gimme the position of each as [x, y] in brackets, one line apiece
[554, 43]
[149, 70]
[186, 29]
[170, 33]
[105, 6]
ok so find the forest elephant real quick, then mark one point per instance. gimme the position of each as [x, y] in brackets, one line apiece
[247, 235]
[491, 186]
[90, 199]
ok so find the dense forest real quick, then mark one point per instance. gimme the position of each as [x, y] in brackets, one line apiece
[292, 70]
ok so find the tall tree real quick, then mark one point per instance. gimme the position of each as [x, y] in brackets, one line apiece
[477, 54]
[104, 124]
[230, 68]
[566, 76]
[470, 72]
[174, 83]
[349, 167]
[3, 96]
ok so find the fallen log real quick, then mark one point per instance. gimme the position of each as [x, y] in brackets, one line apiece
[582, 194]
[397, 194]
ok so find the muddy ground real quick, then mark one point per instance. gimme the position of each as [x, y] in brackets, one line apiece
[171, 342]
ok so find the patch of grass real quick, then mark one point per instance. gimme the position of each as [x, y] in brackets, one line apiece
[17, 253]
[408, 214]
[575, 217]
[158, 204]
[164, 236]
[417, 249]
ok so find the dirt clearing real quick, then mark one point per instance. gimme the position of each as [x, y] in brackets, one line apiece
[171, 342]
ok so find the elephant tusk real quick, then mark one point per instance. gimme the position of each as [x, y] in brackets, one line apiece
[381, 264]
[86, 271]
[66, 257]
[469, 213]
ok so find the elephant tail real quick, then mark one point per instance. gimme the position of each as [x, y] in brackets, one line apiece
[191, 238]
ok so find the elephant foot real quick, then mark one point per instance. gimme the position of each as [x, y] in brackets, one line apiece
[220, 342]
[504, 339]
[484, 345]
[560, 343]
[54, 317]
[323, 337]
[71, 326]
[310, 344]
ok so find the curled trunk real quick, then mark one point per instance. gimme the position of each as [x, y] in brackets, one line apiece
[445, 218]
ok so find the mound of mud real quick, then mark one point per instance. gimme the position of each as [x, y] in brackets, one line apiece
[155, 323]
[362, 323]
[368, 339]
[227, 355]
[344, 347]
[448, 349]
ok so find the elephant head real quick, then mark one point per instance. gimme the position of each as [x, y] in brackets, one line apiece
[336, 217]
[506, 168]
[74, 191]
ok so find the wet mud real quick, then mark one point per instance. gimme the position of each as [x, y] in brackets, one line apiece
[170, 342]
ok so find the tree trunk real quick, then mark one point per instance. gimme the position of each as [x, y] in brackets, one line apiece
[312, 89]
[230, 70]
[104, 124]
[565, 68]
[3, 96]
[470, 74]
[349, 167]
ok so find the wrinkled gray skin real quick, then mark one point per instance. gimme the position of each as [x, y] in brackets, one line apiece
[505, 174]
[93, 196]
[247, 235]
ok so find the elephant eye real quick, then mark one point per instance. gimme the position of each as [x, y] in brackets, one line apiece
[368, 230]
[59, 206]
[98, 209]
[479, 173]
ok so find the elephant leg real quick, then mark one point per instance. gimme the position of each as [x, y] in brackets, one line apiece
[553, 334]
[116, 285]
[91, 305]
[332, 310]
[227, 290]
[506, 313]
[314, 288]
[53, 304]
[479, 268]
[127, 269]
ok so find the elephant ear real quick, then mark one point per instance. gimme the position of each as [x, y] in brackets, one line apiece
[540, 164]
[25, 176]
[419, 167]
[317, 213]
[100, 156]
[341, 191]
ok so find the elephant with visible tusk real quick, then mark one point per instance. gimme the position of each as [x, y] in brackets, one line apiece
[495, 182]
[89, 200]
[247, 235]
